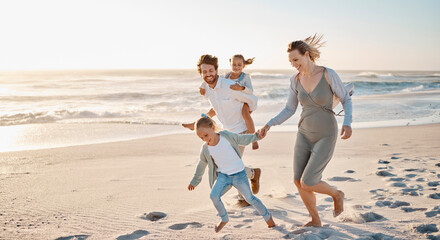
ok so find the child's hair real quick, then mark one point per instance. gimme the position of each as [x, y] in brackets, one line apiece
[310, 44]
[206, 122]
[246, 62]
[207, 59]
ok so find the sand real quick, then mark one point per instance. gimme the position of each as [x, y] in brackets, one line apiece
[137, 190]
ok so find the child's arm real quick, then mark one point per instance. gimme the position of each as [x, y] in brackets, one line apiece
[211, 113]
[248, 89]
[200, 170]
[245, 85]
[202, 89]
[245, 139]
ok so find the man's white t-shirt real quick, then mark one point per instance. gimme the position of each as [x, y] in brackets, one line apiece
[228, 104]
[225, 157]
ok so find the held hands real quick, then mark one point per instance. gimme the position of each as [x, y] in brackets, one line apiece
[346, 132]
[191, 187]
[237, 87]
[263, 131]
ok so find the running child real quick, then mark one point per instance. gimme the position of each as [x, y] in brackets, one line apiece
[227, 170]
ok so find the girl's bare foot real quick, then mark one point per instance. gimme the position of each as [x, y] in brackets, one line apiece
[270, 222]
[338, 201]
[190, 126]
[313, 223]
[255, 145]
[220, 226]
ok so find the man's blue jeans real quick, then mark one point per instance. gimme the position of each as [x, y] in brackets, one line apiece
[241, 183]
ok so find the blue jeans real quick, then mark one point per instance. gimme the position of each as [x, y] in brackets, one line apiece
[241, 183]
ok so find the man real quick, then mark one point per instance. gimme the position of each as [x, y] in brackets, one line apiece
[227, 104]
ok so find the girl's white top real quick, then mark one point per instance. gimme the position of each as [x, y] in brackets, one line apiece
[225, 157]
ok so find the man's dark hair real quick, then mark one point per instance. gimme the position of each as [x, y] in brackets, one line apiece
[207, 59]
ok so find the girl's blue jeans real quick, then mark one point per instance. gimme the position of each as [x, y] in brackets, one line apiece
[241, 183]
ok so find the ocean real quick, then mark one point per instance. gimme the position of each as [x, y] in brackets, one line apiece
[41, 109]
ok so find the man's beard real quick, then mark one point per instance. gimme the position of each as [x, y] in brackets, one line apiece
[212, 81]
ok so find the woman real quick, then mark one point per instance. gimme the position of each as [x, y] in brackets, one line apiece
[313, 87]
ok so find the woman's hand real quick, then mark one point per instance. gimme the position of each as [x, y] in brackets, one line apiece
[346, 132]
[202, 91]
[237, 87]
[190, 187]
[263, 131]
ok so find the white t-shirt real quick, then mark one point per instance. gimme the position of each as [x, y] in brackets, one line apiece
[225, 157]
[228, 104]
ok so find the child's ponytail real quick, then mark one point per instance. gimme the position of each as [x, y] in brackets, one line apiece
[245, 61]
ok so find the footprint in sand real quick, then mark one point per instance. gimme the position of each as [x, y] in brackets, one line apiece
[361, 218]
[414, 170]
[349, 171]
[433, 212]
[411, 175]
[311, 233]
[410, 192]
[426, 228]
[396, 179]
[434, 195]
[153, 216]
[434, 184]
[134, 235]
[343, 179]
[409, 209]
[397, 184]
[181, 226]
[74, 237]
[377, 236]
[383, 162]
[384, 174]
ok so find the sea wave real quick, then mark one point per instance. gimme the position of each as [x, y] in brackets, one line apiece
[268, 75]
[108, 97]
[80, 116]
[374, 75]
[396, 75]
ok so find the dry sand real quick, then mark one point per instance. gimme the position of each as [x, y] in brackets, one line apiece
[106, 191]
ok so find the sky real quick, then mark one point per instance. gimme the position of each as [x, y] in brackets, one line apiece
[165, 34]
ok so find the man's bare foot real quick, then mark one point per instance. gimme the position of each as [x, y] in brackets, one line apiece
[190, 126]
[220, 226]
[313, 223]
[338, 201]
[270, 222]
[255, 145]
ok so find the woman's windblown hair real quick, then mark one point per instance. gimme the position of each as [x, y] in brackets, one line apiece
[310, 44]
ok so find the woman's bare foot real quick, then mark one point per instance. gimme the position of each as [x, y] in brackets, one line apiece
[220, 226]
[190, 126]
[338, 201]
[313, 223]
[255, 145]
[270, 222]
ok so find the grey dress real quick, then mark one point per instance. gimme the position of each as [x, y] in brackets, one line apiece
[317, 128]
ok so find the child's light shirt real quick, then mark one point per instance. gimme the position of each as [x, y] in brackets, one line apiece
[225, 157]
